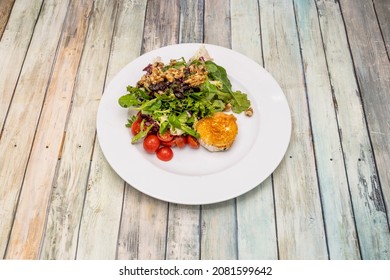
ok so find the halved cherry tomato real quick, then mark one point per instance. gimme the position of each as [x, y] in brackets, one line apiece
[180, 141]
[192, 142]
[136, 126]
[166, 137]
[151, 143]
[164, 153]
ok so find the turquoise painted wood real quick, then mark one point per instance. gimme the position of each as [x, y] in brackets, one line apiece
[332, 179]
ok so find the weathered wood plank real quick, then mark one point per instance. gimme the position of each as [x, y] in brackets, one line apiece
[382, 9]
[5, 11]
[218, 235]
[300, 227]
[125, 47]
[13, 49]
[191, 21]
[25, 239]
[372, 69]
[183, 240]
[144, 235]
[17, 137]
[255, 209]
[60, 241]
[336, 201]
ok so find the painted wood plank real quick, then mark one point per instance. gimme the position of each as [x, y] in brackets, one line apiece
[125, 46]
[372, 69]
[5, 11]
[256, 236]
[218, 235]
[13, 49]
[382, 10]
[104, 195]
[336, 201]
[359, 159]
[69, 187]
[300, 227]
[143, 236]
[17, 137]
[191, 21]
[25, 239]
[183, 241]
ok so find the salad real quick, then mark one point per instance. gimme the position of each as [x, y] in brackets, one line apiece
[170, 99]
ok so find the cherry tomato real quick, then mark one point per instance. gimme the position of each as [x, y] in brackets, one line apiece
[136, 126]
[164, 153]
[192, 142]
[166, 137]
[151, 143]
[180, 141]
[171, 143]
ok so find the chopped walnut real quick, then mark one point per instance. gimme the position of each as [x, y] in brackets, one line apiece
[228, 107]
[249, 112]
[198, 74]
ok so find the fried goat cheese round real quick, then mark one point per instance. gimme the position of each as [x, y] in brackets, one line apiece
[217, 132]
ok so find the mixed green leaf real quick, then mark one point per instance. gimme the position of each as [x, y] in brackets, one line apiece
[176, 107]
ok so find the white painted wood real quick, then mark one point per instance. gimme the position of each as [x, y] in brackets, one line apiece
[336, 202]
[70, 184]
[5, 11]
[218, 235]
[370, 219]
[31, 214]
[19, 130]
[300, 227]
[143, 227]
[13, 48]
[382, 10]
[256, 236]
[103, 201]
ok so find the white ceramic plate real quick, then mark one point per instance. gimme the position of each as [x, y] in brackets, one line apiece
[199, 176]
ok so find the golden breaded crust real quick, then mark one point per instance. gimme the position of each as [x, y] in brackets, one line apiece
[217, 132]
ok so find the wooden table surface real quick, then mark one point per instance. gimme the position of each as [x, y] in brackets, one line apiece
[328, 199]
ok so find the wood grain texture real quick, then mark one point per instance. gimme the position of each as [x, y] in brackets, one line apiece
[358, 155]
[372, 69]
[337, 206]
[218, 235]
[143, 236]
[126, 46]
[25, 240]
[5, 10]
[382, 10]
[256, 236]
[183, 239]
[300, 227]
[19, 130]
[104, 194]
[191, 21]
[70, 184]
[13, 49]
